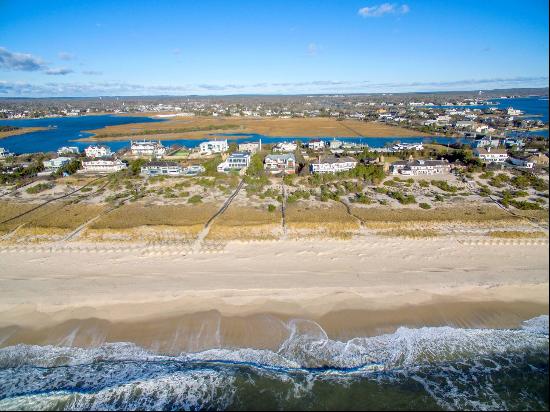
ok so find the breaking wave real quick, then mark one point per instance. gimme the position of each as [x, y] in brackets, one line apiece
[427, 368]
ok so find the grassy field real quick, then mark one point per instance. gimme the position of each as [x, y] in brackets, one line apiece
[50, 222]
[200, 127]
[246, 223]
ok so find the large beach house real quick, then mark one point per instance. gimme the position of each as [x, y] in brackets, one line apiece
[420, 167]
[213, 146]
[251, 147]
[98, 151]
[280, 163]
[490, 155]
[147, 148]
[103, 165]
[236, 161]
[285, 147]
[161, 168]
[333, 164]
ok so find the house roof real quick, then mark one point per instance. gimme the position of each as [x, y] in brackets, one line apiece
[162, 164]
[280, 157]
[335, 159]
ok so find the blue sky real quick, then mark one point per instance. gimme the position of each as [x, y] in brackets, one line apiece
[70, 48]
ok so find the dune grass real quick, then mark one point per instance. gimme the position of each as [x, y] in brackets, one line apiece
[516, 234]
[246, 223]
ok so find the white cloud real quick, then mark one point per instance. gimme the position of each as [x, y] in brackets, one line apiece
[384, 8]
[65, 56]
[92, 72]
[63, 89]
[59, 71]
[20, 61]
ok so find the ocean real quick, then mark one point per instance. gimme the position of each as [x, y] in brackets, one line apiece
[426, 368]
[68, 129]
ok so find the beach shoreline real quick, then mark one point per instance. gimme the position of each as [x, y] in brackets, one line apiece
[252, 290]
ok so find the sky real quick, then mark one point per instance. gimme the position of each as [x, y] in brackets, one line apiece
[208, 47]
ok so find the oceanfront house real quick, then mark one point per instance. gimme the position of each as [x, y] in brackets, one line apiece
[514, 112]
[103, 165]
[147, 148]
[464, 124]
[213, 146]
[4, 153]
[316, 144]
[98, 151]
[408, 146]
[284, 147]
[491, 155]
[194, 170]
[514, 142]
[522, 161]
[485, 141]
[420, 167]
[235, 161]
[53, 164]
[333, 164]
[66, 150]
[251, 147]
[161, 169]
[280, 163]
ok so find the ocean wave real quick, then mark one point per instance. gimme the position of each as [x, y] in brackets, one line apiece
[455, 368]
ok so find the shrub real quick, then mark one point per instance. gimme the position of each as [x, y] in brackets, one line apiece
[271, 208]
[401, 198]
[195, 199]
[40, 187]
[443, 185]
[424, 205]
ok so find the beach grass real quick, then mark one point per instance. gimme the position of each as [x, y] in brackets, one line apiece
[516, 234]
[246, 223]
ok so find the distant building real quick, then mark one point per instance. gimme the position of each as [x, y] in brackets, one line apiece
[147, 148]
[280, 163]
[252, 147]
[98, 151]
[161, 168]
[514, 112]
[236, 161]
[335, 144]
[420, 167]
[65, 150]
[103, 165]
[316, 144]
[333, 164]
[408, 146]
[490, 155]
[214, 146]
[285, 147]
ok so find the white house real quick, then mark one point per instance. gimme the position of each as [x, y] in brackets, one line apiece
[333, 164]
[214, 146]
[522, 161]
[490, 155]
[408, 146]
[147, 148]
[235, 161]
[98, 151]
[280, 163]
[285, 147]
[161, 168]
[54, 164]
[103, 165]
[194, 170]
[316, 144]
[4, 153]
[68, 150]
[251, 147]
[420, 167]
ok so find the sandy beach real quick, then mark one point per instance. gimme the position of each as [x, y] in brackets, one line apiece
[245, 295]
